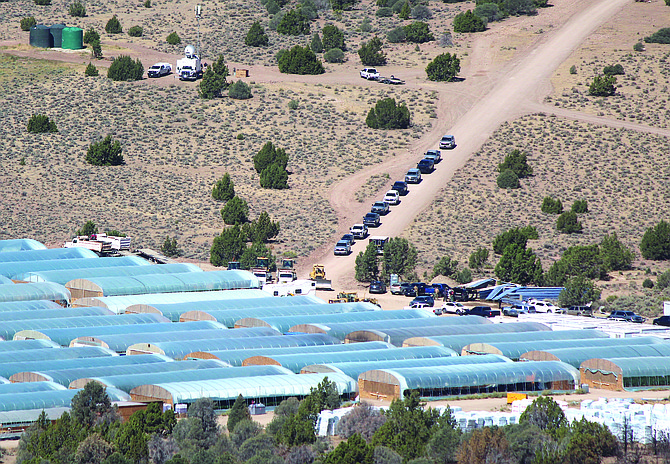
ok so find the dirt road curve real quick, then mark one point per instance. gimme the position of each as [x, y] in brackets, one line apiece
[518, 89]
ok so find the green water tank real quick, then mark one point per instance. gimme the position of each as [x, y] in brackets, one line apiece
[73, 38]
[40, 36]
[56, 31]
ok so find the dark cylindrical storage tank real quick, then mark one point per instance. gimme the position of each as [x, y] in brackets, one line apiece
[40, 36]
[56, 31]
[73, 38]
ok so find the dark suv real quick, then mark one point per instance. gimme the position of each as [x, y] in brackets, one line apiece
[400, 187]
[628, 316]
[415, 289]
[377, 286]
[426, 299]
[426, 166]
[371, 220]
[663, 320]
[483, 311]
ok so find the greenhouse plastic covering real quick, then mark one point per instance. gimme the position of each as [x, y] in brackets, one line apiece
[20, 244]
[169, 283]
[9, 369]
[67, 376]
[446, 380]
[457, 342]
[514, 350]
[44, 354]
[20, 345]
[266, 389]
[283, 323]
[63, 276]
[236, 357]
[295, 362]
[640, 372]
[36, 291]
[50, 399]
[5, 281]
[28, 305]
[173, 311]
[576, 356]
[118, 304]
[128, 382]
[65, 335]
[230, 316]
[4, 381]
[177, 350]
[14, 269]
[8, 329]
[354, 369]
[50, 254]
[53, 313]
[28, 387]
[341, 329]
[121, 342]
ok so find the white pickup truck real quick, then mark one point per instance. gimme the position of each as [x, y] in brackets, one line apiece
[370, 74]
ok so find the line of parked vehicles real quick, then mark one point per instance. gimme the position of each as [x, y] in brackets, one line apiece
[391, 198]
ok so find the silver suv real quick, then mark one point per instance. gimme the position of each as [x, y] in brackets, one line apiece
[448, 141]
[413, 176]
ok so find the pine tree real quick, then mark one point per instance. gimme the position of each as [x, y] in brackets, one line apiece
[238, 413]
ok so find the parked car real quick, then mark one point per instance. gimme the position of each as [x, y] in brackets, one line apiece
[400, 187]
[348, 238]
[371, 220]
[484, 311]
[377, 286]
[418, 306]
[359, 230]
[396, 288]
[392, 197]
[628, 316]
[159, 70]
[434, 155]
[415, 289]
[426, 166]
[370, 74]
[544, 306]
[579, 311]
[380, 207]
[429, 300]
[413, 176]
[440, 289]
[663, 320]
[448, 141]
[342, 248]
[401, 289]
[516, 309]
[452, 307]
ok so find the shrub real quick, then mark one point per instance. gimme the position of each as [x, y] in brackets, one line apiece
[239, 90]
[147, 4]
[384, 12]
[77, 9]
[468, 22]
[443, 68]
[517, 161]
[603, 86]
[40, 123]
[567, 223]
[316, 44]
[235, 212]
[418, 32]
[573, 69]
[91, 35]
[662, 36]
[578, 291]
[256, 37]
[370, 53]
[214, 81]
[170, 248]
[107, 152]
[333, 37]
[638, 47]
[96, 49]
[551, 206]
[386, 115]
[300, 60]
[667, 2]
[648, 283]
[272, 7]
[615, 255]
[343, 4]
[42, 2]
[365, 25]
[334, 55]
[613, 70]
[446, 266]
[580, 207]
[274, 177]
[293, 105]
[519, 7]
[663, 280]
[224, 189]
[478, 258]
[294, 22]
[396, 35]
[516, 236]
[404, 11]
[135, 31]
[173, 39]
[463, 276]
[421, 12]
[489, 12]
[308, 8]
[269, 155]
[91, 70]
[113, 26]
[655, 242]
[123, 68]
[27, 23]
[508, 180]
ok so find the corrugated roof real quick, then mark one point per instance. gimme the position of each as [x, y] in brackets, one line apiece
[28, 305]
[20, 244]
[34, 291]
[17, 268]
[20, 345]
[50, 254]
[577, 355]
[53, 313]
[63, 276]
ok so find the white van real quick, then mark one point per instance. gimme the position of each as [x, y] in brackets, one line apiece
[392, 197]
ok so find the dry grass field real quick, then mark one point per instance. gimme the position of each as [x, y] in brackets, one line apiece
[176, 146]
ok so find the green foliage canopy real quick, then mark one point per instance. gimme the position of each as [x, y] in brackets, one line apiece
[113, 26]
[107, 152]
[40, 123]
[123, 68]
[256, 37]
[655, 242]
[468, 21]
[387, 115]
[443, 68]
[370, 53]
[299, 60]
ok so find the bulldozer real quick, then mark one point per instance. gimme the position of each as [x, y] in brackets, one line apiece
[318, 275]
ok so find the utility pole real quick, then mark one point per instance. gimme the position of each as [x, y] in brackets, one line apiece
[198, 14]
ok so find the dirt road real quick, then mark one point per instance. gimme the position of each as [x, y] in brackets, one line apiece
[516, 90]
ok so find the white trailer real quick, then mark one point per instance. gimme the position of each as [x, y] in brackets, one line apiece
[297, 287]
[100, 243]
